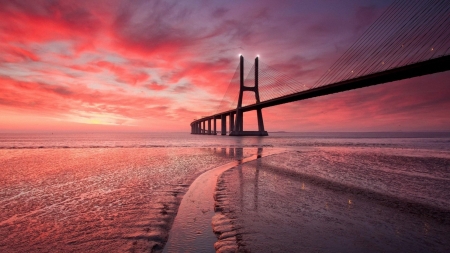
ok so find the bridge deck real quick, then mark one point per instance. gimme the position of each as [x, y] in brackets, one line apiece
[432, 66]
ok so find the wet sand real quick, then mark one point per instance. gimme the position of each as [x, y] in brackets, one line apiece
[310, 200]
[334, 201]
[95, 199]
[192, 231]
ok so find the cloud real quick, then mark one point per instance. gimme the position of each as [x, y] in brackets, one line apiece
[184, 88]
[43, 98]
[123, 74]
[155, 86]
[148, 63]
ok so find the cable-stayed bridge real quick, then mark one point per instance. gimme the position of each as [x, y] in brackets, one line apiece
[410, 39]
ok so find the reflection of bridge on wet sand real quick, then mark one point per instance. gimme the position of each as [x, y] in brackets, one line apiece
[235, 152]
[399, 45]
[248, 186]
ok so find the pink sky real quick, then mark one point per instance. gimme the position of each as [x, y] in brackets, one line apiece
[157, 65]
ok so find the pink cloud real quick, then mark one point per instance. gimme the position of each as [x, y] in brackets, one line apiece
[124, 75]
[43, 98]
[142, 61]
[155, 87]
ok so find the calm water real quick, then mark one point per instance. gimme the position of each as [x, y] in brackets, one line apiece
[429, 141]
[120, 192]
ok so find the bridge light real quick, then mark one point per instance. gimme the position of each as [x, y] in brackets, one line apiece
[240, 55]
[352, 71]
[432, 49]
[382, 63]
[257, 55]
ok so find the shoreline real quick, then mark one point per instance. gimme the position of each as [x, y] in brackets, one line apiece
[191, 229]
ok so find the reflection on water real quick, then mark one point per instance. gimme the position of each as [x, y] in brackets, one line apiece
[329, 201]
[255, 185]
[237, 153]
[191, 231]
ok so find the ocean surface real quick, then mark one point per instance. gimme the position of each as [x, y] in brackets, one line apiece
[327, 192]
[420, 140]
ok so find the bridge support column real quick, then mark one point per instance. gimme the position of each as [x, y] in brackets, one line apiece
[209, 126]
[239, 125]
[224, 125]
[215, 130]
[231, 125]
[260, 120]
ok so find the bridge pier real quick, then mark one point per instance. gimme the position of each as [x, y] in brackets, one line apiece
[223, 120]
[260, 120]
[231, 125]
[209, 126]
[236, 123]
[239, 125]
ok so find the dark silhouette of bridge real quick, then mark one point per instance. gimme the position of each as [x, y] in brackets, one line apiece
[410, 39]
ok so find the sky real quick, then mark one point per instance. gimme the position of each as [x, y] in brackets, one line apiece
[121, 65]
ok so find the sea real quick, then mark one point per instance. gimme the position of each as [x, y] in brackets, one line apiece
[319, 192]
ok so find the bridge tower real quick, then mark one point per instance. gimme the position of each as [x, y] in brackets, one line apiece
[238, 129]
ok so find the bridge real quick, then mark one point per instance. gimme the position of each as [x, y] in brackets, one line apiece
[410, 39]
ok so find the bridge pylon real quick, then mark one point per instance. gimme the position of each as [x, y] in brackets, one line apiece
[238, 129]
